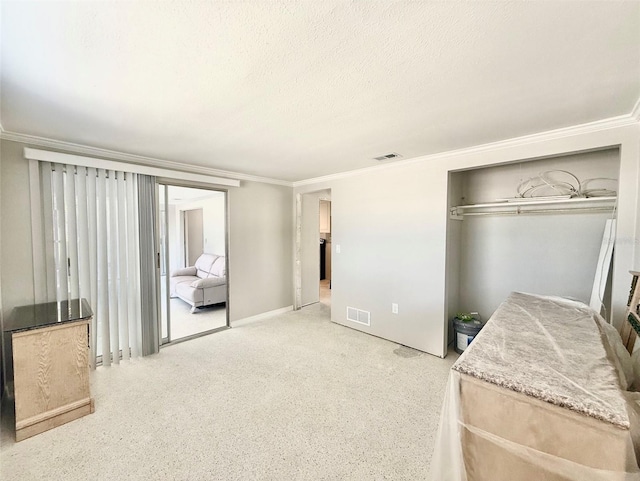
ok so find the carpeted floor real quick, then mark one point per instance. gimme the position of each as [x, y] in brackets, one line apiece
[287, 398]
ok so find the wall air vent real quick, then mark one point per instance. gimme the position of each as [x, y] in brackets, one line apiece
[359, 316]
[391, 156]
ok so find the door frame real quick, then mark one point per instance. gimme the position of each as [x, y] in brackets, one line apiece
[299, 247]
[192, 185]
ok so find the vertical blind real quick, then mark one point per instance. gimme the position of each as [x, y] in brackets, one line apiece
[91, 235]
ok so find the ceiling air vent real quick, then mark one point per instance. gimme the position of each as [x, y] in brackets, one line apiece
[391, 156]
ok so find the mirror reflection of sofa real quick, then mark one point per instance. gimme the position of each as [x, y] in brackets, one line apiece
[202, 284]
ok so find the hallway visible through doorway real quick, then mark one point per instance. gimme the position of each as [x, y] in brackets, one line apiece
[325, 292]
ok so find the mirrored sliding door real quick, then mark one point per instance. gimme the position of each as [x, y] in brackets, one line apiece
[193, 261]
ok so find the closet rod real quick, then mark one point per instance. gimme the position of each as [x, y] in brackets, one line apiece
[520, 211]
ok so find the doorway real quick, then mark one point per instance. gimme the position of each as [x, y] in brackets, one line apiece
[315, 248]
[193, 261]
[325, 249]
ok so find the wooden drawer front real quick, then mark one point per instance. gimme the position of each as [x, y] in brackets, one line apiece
[51, 371]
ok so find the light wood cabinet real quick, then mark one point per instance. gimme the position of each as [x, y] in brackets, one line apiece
[50, 370]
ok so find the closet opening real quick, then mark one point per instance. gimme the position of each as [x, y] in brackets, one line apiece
[535, 226]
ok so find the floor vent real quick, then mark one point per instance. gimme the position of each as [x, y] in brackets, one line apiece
[356, 315]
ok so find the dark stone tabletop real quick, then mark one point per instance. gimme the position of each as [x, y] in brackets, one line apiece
[35, 316]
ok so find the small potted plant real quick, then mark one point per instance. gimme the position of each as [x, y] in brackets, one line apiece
[466, 316]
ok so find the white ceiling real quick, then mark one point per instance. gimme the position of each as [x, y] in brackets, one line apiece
[295, 90]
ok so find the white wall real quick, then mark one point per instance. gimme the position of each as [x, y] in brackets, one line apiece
[548, 255]
[260, 241]
[388, 224]
[391, 224]
[491, 183]
[214, 228]
[176, 251]
[213, 220]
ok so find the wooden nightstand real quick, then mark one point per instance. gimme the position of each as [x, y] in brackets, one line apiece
[49, 350]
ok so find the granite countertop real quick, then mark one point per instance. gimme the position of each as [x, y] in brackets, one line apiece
[36, 316]
[549, 348]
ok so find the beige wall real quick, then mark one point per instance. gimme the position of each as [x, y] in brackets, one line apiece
[15, 216]
[390, 226]
[16, 274]
[260, 241]
[260, 249]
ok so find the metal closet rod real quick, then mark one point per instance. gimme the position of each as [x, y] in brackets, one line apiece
[520, 211]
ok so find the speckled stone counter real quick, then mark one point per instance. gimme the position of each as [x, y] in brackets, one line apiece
[551, 349]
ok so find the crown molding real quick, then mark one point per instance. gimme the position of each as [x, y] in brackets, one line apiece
[633, 118]
[133, 158]
[591, 127]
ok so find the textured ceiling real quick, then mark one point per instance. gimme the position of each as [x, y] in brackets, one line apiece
[294, 90]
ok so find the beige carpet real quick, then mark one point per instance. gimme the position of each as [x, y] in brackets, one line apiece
[287, 398]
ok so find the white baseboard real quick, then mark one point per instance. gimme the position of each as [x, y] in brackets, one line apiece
[260, 317]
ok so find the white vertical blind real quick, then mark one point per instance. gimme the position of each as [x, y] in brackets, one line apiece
[112, 256]
[93, 227]
[47, 223]
[133, 265]
[92, 241]
[59, 233]
[122, 265]
[71, 235]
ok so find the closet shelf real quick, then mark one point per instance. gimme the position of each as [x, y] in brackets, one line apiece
[535, 206]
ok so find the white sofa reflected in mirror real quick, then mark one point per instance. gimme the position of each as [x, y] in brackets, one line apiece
[202, 284]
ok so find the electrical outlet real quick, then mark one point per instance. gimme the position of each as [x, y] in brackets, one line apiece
[394, 308]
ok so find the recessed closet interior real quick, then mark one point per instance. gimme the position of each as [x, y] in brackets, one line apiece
[551, 250]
